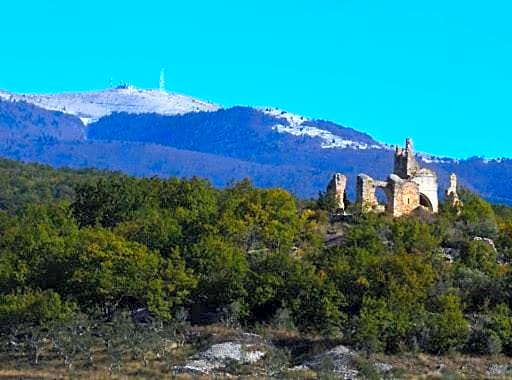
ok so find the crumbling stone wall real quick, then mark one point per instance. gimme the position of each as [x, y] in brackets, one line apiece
[407, 189]
[337, 187]
[366, 197]
[404, 196]
[428, 187]
[366, 193]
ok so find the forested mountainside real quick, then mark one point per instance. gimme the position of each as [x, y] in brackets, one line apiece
[272, 148]
[86, 256]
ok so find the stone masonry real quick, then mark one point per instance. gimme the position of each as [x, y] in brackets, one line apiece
[451, 193]
[407, 168]
[404, 196]
[366, 198]
[406, 165]
[337, 186]
[409, 188]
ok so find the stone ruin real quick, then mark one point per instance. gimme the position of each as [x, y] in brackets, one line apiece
[408, 189]
[451, 193]
[337, 187]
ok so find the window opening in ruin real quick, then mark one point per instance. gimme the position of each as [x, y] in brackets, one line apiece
[425, 202]
[381, 195]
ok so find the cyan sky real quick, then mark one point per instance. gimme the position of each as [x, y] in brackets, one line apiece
[438, 70]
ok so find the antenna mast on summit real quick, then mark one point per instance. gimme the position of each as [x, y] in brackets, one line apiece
[162, 80]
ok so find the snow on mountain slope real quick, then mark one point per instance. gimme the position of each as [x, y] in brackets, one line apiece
[296, 126]
[92, 105]
[430, 159]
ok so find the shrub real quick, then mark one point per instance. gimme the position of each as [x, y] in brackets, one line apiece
[484, 342]
[448, 328]
[33, 307]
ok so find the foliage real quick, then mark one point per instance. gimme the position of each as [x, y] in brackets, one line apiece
[477, 216]
[89, 245]
[449, 329]
[110, 270]
[33, 306]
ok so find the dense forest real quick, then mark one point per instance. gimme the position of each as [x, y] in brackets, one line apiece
[86, 254]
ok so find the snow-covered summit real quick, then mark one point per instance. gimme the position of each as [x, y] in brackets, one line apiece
[92, 105]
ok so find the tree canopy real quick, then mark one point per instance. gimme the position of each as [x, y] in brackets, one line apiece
[73, 243]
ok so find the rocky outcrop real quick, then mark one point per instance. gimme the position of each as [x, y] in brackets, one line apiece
[499, 370]
[218, 356]
[341, 361]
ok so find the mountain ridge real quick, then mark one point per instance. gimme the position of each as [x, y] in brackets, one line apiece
[272, 147]
[92, 105]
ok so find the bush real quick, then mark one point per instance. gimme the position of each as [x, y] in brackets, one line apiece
[276, 361]
[371, 325]
[477, 215]
[33, 307]
[448, 328]
[499, 321]
[484, 342]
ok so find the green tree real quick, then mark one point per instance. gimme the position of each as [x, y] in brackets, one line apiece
[259, 218]
[193, 203]
[478, 254]
[327, 201]
[34, 307]
[371, 325]
[449, 329]
[499, 321]
[158, 230]
[35, 248]
[221, 269]
[281, 281]
[476, 215]
[413, 236]
[111, 271]
[109, 201]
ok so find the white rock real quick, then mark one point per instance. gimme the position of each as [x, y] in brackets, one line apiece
[499, 370]
[219, 355]
[232, 351]
[341, 358]
[383, 367]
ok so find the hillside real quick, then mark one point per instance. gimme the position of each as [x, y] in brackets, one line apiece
[102, 274]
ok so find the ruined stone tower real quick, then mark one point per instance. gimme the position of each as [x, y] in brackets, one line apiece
[405, 162]
[407, 168]
[451, 193]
